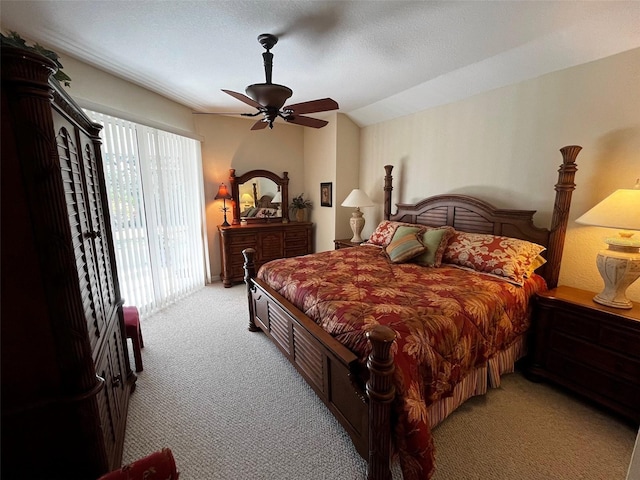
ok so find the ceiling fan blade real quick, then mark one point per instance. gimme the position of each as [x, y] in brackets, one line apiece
[259, 125]
[243, 98]
[313, 106]
[228, 113]
[306, 121]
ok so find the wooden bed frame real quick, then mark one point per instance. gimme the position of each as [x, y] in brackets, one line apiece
[332, 370]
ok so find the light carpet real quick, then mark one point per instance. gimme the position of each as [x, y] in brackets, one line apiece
[230, 406]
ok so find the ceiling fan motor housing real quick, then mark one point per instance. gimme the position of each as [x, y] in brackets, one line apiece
[269, 94]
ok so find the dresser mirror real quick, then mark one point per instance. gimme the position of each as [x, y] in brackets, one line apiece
[259, 196]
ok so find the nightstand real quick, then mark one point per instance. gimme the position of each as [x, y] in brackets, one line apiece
[345, 243]
[589, 348]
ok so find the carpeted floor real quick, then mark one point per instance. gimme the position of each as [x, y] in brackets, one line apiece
[230, 406]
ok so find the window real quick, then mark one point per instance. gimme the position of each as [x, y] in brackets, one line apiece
[156, 203]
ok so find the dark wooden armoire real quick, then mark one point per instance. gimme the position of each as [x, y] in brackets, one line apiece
[66, 377]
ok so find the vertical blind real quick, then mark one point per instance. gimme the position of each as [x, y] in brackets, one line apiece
[156, 203]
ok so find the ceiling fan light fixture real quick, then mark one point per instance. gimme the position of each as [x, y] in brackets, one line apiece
[270, 95]
[268, 98]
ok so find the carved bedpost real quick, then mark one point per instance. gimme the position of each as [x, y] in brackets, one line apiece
[564, 190]
[250, 273]
[235, 206]
[284, 206]
[388, 188]
[381, 393]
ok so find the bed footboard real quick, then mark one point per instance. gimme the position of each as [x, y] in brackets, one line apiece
[332, 370]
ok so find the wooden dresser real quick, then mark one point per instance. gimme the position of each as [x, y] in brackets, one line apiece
[66, 377]
[589, 348]
[270, 240]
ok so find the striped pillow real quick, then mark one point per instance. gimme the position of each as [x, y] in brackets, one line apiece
[405, 245]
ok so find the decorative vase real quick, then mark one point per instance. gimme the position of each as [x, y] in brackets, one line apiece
[300, 215]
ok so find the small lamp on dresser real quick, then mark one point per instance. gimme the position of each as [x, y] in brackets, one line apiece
[246, 200]
[223, 193]
[277, 200]
[619, 265]
[357, 198]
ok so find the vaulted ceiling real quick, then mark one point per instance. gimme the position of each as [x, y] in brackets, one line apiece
[378, 59]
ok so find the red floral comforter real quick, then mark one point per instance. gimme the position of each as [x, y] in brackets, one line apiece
[447, 320]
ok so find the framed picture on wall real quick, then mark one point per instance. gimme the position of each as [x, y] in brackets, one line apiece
[326, 194]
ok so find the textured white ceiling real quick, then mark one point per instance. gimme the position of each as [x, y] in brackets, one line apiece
[377, 59]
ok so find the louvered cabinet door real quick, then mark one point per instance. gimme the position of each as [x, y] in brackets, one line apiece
[81, 231]
[100, 231]
[112, 367]
[108, 407]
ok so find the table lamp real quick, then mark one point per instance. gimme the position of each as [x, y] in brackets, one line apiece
[357, 198]
[619, 265]
[223, 193]
[277, 200]
[247, 200]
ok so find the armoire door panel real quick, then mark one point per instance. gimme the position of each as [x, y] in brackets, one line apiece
[80, 222]
[106, 406]
[99, 231]
[119, 368]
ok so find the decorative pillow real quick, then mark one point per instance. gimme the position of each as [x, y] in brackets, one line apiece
[251, 212]
[436, 240]
[537, 263]
[266, 212]
[405, 245]
[383, 234]
[503, 256]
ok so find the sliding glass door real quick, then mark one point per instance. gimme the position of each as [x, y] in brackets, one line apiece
[156, 202]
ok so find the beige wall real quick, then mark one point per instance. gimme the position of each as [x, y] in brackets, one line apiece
[320, 166]
[347, 173]
[331, 155]
[93, 88]
[230, 143]
[503, 146]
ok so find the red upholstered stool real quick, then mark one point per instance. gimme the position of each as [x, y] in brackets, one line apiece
[133, 331]
[158, 466]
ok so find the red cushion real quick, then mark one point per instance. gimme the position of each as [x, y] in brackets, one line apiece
[157, 466]
[131, 315]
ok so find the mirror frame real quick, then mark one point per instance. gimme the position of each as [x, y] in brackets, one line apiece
[235, 182]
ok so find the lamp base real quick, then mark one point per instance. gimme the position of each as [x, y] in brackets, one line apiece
[357, 224]
[225, 223]
[619, 267]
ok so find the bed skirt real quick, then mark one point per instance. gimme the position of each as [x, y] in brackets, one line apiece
[478, 381]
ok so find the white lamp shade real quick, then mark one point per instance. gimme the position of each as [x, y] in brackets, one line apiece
[246, 198]
[357, 198]
[619, 265]
[277, 198]
[619, 210]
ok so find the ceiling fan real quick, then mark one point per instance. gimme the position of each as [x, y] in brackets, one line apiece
[268, 98]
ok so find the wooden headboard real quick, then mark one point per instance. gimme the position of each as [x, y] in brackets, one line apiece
[469, 214]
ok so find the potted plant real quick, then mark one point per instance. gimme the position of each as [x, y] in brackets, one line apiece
[15, 40]
[299, 204]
